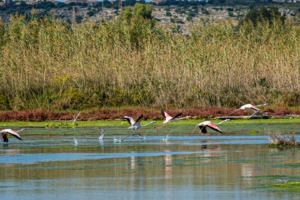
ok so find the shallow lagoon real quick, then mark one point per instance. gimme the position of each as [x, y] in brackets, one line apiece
[235, 165]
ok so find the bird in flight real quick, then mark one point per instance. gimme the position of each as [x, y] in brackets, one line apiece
[169, 119]
[203, 127]
[249, 106]
[135, 125]
[4, 134]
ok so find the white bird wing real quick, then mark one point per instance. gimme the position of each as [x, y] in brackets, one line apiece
[13, 133]
[138, 122]
[129, 119]
[166, 115]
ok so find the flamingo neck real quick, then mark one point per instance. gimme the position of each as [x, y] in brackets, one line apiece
[180, 118]
[222, 122]
[261, 105]
[148, 123]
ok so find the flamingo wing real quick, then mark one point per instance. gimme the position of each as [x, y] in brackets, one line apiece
[138, 122]
[129, 119]
[235, 110]
[214, 127]
[4, 137]
[177, 116]
[254, 108]
[13, 133]
[203, 129]
[166, 115]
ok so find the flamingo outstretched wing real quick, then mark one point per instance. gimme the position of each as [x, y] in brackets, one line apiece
[4, 137]
[13, 133]
[129, 119]
[166, 115]
[138, 122]
[234, 111]
[254, 108]
[177, 116]
[214, 127]
[203, 129]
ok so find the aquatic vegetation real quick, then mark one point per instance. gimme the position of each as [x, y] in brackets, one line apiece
[277, 140]
[283, 186]
[253, 132]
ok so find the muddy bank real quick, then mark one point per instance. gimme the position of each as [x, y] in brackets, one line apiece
[38, 115]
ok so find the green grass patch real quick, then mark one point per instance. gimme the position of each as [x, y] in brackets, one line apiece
[125, 123]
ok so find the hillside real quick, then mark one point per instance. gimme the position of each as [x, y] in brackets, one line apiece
[168, 16]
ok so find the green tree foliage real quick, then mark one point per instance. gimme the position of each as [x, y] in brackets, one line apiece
[142, 10]
[130, 2]
[138, 20]
[126, 14]
[263, 14]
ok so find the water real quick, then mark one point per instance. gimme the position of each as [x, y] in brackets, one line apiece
[49, 165]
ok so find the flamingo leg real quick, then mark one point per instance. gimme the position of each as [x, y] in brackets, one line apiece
[193, 131]
[203, 133]
[127, 135]
[160, 127]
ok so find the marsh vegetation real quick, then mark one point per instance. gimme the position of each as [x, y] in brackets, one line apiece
[51, 64]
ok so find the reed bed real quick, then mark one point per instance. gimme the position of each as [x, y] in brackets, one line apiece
[49, 64]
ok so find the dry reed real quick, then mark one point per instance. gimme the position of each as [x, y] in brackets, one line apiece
[46, 63]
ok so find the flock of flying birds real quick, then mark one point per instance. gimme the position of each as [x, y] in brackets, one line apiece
[135, 125]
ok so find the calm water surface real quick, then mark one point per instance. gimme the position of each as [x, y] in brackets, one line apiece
[49, 165]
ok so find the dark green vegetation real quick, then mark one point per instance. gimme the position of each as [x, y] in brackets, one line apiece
[263, 14]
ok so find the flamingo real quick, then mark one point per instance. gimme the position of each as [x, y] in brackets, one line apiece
[135, 125]
[170, 119]
[249, 106]
[208, 124]
[4, 133]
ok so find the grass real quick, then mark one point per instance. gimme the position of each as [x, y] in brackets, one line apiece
[125, 123]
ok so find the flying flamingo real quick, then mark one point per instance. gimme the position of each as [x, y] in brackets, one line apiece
[203, 127]
[169, 119]
[249, 106]
[4, 133]
[135, 125]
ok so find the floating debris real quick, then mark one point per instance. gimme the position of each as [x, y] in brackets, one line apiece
[278, 140]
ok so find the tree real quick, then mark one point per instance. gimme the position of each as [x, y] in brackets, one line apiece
[142, 10]
[126, 14]
[130, 2]
[262, 14]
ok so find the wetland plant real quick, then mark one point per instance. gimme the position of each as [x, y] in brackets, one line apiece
[277, 140]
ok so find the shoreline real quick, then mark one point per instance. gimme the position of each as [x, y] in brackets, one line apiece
[107, 123]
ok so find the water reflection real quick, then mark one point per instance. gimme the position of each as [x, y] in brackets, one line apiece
[141, 169]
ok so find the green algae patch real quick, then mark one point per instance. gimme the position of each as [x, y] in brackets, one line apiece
[293, 186]
[253, 132]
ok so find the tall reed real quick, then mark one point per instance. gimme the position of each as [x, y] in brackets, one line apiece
[47, 63]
